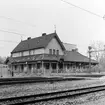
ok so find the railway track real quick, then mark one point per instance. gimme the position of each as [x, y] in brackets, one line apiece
[9, 81]
[23, 100]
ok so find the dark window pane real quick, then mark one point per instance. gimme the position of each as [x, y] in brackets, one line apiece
[57, 52]
[53, 51]
[38, 65]
[50, 51]
[47, 65]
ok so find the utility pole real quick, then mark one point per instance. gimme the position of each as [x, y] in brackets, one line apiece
[89, 58]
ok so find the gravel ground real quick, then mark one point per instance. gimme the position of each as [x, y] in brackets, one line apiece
[36, 88]
[96, 102]
[97, 98]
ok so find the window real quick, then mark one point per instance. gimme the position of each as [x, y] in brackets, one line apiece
[25, 53]
[38, 65]
[50, 51]
[30, 66]
[68, 66]
[22, 67]
[57, 52]
[47, 65]
[53, 51]
[54, 65]
[15, 67]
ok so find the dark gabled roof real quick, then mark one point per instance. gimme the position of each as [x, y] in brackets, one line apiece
[77, 57]
[35, 43]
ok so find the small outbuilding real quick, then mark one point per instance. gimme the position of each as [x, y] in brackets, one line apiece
[4, 70]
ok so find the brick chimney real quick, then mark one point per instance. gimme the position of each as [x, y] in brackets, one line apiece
[43, 34]
[28, 38]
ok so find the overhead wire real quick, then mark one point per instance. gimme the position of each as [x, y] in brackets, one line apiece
[9, 18]
[12, 32]
[83, 9]
[12, 19]
[8, 41]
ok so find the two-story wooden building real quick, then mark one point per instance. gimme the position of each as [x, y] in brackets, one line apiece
[46, 55]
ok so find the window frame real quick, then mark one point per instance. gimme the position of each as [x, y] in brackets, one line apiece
[50, 51]
[57, 52]
[53, 51]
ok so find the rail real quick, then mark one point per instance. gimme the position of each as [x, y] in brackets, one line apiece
[36, 80]
[22, 100]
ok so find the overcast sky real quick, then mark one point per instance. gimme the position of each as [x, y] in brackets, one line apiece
[73, 25]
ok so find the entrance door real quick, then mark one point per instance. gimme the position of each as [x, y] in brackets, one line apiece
[60, 66]
[30, 67]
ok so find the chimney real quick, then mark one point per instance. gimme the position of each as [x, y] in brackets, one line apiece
[43, 34]
[76, 49]
[28, 38]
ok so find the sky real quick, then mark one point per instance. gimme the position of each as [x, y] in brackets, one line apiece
[31, 18]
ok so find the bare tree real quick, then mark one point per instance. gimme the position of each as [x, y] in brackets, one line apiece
[2, 59]
[98, 50]
[98, 53]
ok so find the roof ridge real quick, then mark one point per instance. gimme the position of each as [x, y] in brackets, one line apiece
[38, 37]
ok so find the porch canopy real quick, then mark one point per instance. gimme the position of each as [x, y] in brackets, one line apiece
[74, 56]
[33, 58]
[69, 56]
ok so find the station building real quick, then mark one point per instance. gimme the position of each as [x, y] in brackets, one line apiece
[47, 55]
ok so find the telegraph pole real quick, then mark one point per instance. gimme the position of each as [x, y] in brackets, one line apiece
[89, 58]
